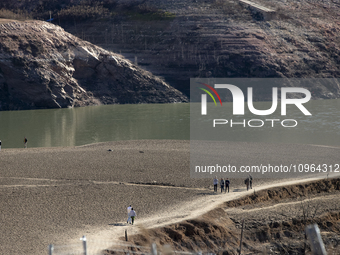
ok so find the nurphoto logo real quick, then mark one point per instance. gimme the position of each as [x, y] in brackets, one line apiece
[239, 102]
[266, 128]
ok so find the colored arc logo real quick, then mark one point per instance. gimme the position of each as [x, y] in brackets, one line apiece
[213, 90]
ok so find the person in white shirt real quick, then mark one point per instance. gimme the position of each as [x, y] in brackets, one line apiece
[132, 214]
[128, 212]
[215, 184]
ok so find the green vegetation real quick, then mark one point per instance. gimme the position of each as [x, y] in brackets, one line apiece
[150, 16]
[65, 11]
[84, 12]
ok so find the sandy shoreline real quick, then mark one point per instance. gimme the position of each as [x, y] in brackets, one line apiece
[55, 195]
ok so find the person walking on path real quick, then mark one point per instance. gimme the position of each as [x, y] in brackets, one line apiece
[25, 142]
[222, 185]
[128, 212]
[215, 184]
[227, 182]
[246, 182]
[250, 181]
[132, 214]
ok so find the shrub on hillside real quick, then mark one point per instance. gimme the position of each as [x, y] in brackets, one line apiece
[151, 16]
[146, 12]
[83, 12]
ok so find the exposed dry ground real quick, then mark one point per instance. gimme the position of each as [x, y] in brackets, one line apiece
[275, 220]
[56, 195]
[4, 21]
[52, 195]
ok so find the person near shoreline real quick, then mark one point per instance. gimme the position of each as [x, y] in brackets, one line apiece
[227, 182]
[222, 185]
[215, 184]
[250, 181]
[128, 212]
[25, 142]
[132, 215]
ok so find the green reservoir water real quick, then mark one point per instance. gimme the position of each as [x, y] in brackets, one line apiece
[85, 125]
[79, 126]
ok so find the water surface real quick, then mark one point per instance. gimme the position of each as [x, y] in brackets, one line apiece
[85, 125]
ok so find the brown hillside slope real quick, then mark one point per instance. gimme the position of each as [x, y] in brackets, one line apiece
[42, 66]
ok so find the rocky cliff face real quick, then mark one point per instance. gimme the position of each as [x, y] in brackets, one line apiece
[42, 66]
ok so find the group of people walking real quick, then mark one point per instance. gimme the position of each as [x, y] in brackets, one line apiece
[131, 215]
[223, 183]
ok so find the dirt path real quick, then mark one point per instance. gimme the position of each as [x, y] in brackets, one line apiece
[115, 232]
[58, 182]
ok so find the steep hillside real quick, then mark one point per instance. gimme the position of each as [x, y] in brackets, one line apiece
[215, 38]
[42, 66]
[182, 39]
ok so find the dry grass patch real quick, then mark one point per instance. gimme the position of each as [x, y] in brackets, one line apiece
[10, 15]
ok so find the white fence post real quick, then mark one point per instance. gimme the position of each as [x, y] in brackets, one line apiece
[153, 249]
[315, 240]
[84, 245]
[50, 249]
[241, 237]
